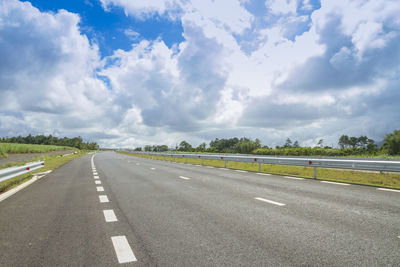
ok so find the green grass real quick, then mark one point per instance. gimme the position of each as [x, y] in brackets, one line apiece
[6, 148]
[51, 163]
[349, 176]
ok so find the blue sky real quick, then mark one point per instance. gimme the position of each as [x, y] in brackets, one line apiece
[107, 28]
[132, 73]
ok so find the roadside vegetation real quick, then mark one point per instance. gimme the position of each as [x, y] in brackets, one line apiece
[6, 148]
[389, 180]
[51, 163]
[42, 144]
[347, 146]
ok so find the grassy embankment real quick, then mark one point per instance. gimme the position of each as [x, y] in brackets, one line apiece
[51, 163]
[357, 177]
[6, 148]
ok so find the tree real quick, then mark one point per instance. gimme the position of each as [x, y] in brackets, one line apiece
[343, 141]
[185, 146]
[392, 142]
[296, 144]
[320, 143]
[201, 147]
[138, 149]
[288, 143]
[148, 148]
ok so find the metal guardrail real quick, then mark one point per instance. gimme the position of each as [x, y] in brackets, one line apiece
[10, 173]
[355, 164]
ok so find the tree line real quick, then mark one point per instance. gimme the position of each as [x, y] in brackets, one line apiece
[76, 142]
[348, 146]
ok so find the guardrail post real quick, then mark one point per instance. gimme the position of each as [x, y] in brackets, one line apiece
[315, 172]
[259, 167]
[202, 162]
[225, 164]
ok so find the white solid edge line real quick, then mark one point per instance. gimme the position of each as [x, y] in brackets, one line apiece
[109, 215]
[266, 174]
[199, 166]
[328, 182]
[96, 177]
[211, 167]
[294, 178]
[388, 189]
[240, 171]
[103, 199]
[97, 182]
[270, 201]
[183, 177]
[100, 189]
[122, 249]
[16, 189]
[224, 169]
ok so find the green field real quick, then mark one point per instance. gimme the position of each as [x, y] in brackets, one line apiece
[338, 175]
[51, 163]
[6, 148]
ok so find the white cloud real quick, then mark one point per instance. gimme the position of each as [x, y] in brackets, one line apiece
[280, 7]
[317, 82]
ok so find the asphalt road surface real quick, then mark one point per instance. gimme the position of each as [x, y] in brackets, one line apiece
[116, 210]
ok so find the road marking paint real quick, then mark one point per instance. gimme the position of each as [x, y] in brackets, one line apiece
[240, 171]
[210, 167]
[97, 182]
[183, 177]
[224, 169]
[387, 189]
[270, 201]
[328, 182]
[122, 249]
[152, 169]
[199, 166]
[96, 177]
[109, 215]
[294, 178]
[266, 174]
[137, 163]
[93, 169]
[100, 189]
[95, 173]
[103, 198]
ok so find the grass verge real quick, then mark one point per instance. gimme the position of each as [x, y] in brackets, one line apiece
[6, 148]
[51, 163]
[388, 180]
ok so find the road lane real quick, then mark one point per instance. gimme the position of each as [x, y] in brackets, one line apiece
[321, 224]
[166, 214]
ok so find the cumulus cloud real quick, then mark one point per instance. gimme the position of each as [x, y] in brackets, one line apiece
[312, 73]
[47, 71]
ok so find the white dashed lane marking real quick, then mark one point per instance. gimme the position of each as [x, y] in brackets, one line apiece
[109, 215]
[103, 199]
[240, 171]
[97, 182]
[96, 177]
[294, 178]
[122, 249]
[100, 189]
[387, 189]
[328, 182]
[184, 178]
[152, 169]
[269, 201]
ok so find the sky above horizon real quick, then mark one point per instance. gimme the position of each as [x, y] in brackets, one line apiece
[132, 73]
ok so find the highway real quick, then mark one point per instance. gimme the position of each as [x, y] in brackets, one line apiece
[113, 210]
